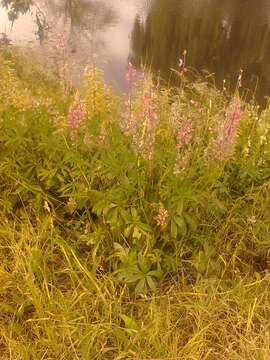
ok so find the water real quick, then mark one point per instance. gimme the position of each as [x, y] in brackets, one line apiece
[220, 36]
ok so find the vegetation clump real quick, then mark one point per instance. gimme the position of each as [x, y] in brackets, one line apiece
[134, 227]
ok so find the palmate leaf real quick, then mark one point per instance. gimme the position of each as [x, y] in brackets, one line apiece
[141, 286]
[151, 283]
[144, 264]
[136, 271]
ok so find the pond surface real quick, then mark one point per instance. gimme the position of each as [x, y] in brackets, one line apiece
[220, 36]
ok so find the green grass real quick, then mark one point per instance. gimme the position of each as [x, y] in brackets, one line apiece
[106, 252]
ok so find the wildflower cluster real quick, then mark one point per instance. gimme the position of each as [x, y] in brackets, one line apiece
[103, 135]
[183, 142]
[127, 122]
[145, 140]
[11, 90]
[184, 135]
[76, 117]
[116, 203]
[227, 132]
[99, 99]
[140, 115]
[184, 130]
[131, 74]
[182, 64]
[61, 42]
[162, 216]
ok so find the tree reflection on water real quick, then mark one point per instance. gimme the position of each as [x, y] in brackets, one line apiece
[16, 7]
[221, 37]
[82, 14]
[81, 17]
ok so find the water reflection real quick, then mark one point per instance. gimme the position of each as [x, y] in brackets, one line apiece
[16, 7]
[221, 37]
[97, 29]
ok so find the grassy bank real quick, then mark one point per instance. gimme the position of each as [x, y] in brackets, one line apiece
[133, 227]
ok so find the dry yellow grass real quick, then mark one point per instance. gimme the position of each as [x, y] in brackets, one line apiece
[53, 308]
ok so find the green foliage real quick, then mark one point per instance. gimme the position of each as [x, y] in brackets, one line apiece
[136, 217]
[108, 254]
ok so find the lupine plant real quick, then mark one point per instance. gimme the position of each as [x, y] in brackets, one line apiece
[156, 181]
[140, 114]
